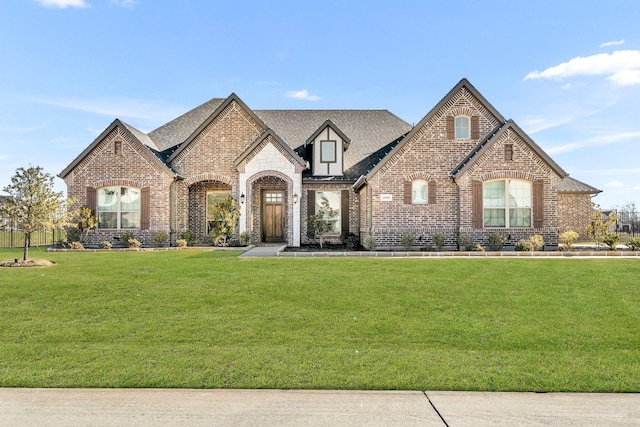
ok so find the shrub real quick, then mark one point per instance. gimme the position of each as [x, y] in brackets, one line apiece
[181, 243]
[351, 240]
[633, 243]
[323, 221]
[465, 242]
[225, 215]
[478, 248]
[126, 237]
[611, 240]
[568, 238]
[407, 240]
[369, 243]
[73, 234]
[497, 240]
[187, 235]
[105, 244]
[244, 238]
[133, 243]
[76, 245]
[537, 242]
[523, 246]
[160, 237]
[438, 240]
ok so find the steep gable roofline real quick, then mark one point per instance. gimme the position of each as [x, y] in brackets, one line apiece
[277, 139]
[464, 83]
[345, 139]
[231, 98]
[475, 154]
[133, 134]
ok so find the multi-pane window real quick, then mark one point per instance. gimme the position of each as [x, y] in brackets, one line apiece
[118, 208]
[462, 127]
[331, 199]
[507, 203]
[419, 192]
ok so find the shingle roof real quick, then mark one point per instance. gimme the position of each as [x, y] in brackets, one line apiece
[369, 130]
[570, 185]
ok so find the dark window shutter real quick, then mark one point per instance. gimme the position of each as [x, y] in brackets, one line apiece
[475, 127]
[538, 204]
[344, 206]
[431, 193]
[311, 203]
[91, 199]
[145, 199]
[477, 204]
[407, 192]
[450, 128]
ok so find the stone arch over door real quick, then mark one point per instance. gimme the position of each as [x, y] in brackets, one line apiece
[256, 186]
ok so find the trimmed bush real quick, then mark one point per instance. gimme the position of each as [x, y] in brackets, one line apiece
[105, 244]
[497, 241]
[76, 245]
[181, 243]
[438, 240]
[369, 243]
[568, 238]
[633, 243]
[407, 240]
[160, 237]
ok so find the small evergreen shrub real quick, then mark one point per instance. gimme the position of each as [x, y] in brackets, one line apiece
[407, 240]
[73, 234]
[634, 243]
[497, 240]
[465, 242]
[160, 237]
[568, 238]
[244, 238]
[537, 242]
[76, 245]
[105, 244]
[478, 248]
[369, 243]
[181, 243]
[187, 235]
[438, 240]
[126, 237]
[523, 246]
[351, 240]
[611, 240]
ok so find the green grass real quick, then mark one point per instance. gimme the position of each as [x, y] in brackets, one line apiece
[205, 319]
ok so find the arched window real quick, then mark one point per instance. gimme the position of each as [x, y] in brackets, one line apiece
[506, 203]
[419, 192]
[462, 127]
[118, 208]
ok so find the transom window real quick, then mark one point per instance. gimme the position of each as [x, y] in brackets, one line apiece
[333, 198]
[213, 198]
[419, 192]
[507, 203]
[118, 208]
[462, 127]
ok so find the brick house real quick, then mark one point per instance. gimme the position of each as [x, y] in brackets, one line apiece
[462, 169]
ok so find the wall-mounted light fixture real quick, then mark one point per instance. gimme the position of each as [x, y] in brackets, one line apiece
[295, 198]
[242, 199]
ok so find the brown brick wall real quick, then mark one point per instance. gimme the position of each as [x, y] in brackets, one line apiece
[574, 212]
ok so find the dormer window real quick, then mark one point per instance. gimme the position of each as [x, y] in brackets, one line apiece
[462, 127]
[328, 151]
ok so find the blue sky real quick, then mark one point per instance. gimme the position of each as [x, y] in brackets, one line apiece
[568, 72]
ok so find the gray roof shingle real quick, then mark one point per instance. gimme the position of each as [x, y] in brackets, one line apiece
[570, 185]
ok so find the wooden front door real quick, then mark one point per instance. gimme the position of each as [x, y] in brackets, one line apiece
[273, 216]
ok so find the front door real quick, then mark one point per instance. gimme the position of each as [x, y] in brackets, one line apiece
[273, 216]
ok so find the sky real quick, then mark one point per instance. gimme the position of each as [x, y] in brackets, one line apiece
[567, 72]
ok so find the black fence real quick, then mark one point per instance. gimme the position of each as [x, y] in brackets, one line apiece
[12, 237]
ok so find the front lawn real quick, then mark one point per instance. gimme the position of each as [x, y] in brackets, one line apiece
[206, 319]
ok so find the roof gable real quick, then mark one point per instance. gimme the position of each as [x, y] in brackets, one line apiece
[280, 144]
[134, 135]
[232, 98]
[486, 143]
[328, 123]
[462, 84]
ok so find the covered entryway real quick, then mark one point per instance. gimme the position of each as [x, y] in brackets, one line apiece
[273, 210]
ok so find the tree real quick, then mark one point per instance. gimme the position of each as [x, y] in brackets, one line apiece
[33, 204]
[600, 227]
[225, 220]
[322, 222]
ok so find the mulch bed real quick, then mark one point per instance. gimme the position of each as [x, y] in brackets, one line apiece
[27, 263]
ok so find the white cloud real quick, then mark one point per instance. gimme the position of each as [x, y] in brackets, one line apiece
[302, 94]
[4, 156]
[595, 141]
[63, 4]
[125, 3]
[538, 124]
[615, 184]
[615, 43]
[622, 67]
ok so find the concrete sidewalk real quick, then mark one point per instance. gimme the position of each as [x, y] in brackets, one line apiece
[185, 407]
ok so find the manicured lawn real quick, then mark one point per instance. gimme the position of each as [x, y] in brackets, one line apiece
[197, 318]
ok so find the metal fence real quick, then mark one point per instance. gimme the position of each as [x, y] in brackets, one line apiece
[12, 237]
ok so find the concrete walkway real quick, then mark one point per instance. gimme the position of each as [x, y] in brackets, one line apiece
[262, 251]
[154, 407]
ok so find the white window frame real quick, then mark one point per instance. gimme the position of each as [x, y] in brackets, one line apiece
[416, 192]
[510, 197]
[462, 127]
[118, 204]
[328, 155]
